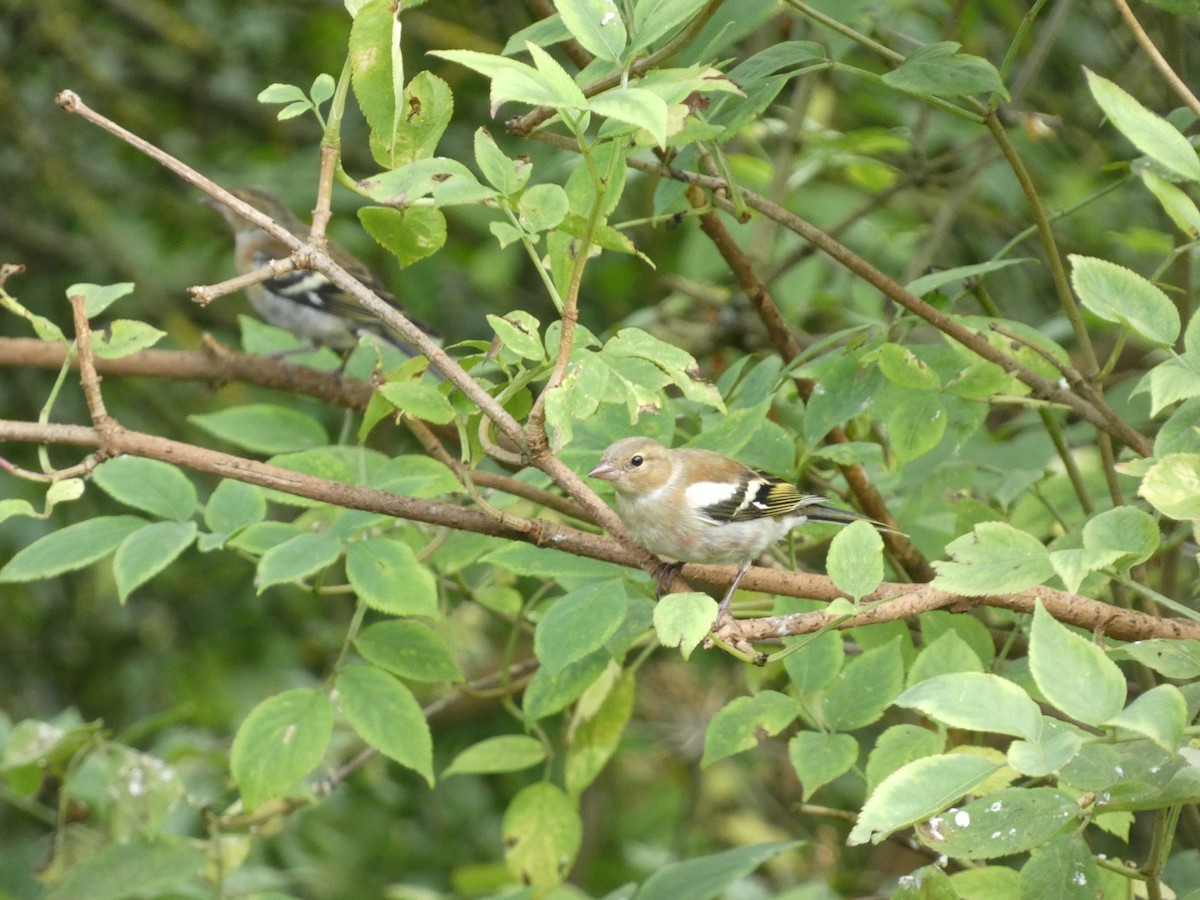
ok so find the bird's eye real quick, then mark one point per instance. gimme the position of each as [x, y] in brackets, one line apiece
[636, 460]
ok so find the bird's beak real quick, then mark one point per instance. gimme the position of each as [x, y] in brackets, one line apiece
[607, 471]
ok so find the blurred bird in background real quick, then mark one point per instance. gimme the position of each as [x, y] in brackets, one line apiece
[302, 301]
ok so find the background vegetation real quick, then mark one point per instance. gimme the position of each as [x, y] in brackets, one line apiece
[1054, 483]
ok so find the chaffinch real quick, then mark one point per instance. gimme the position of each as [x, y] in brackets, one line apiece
[700, 506]
[304, 302]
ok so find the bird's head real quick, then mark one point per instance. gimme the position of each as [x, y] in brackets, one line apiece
[635, 465]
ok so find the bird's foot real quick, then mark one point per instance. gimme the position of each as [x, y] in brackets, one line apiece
[664, 576]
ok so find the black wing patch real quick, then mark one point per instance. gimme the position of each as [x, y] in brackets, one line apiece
[762, 496]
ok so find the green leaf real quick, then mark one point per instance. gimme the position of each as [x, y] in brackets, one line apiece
[945, 654]
[419, 400]
[939, 70]
[897, 747]
[1175, 378]
[408, 183]
[506, 753]
[263, 428]
[1008, 822]
[1127, 530]
[99, 297]
[387, 576]
[1057, 746]
[296, 559]
[927, 284]
[994, 558]
[1063, 869]
[148, 551]
[596, 735]
[707, 877]
[70, 548]
[1160, 714]
[655, 19]
[542, 207]
[281, 741]
[542, 834]
[684, 620]
[409, 234]
[865, 688]
[902, 367]
[579, 623]
[977, 702]
[281, 93]
[987, 883]
[1073, 674]
[408, 649]
[817, 663]
[156, 487]
[519, 332]
[916, 425]
[819, 758]
[1117, 294]
[597, 25]
[377, 75]
[917, 791]
[139, 867]
[234, 505]
[1173, 658]
[122, 337]
[1175, 203]
[428, 105]
[548, 693]
[745, 721]
[504, 174]
[1172, 486]
[855, 559]
[414, 476]
[1150, 133]
[634, 106]
[387, 716]
[10, 508]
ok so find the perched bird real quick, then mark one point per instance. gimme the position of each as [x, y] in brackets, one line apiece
[700, 506]
[301, 301]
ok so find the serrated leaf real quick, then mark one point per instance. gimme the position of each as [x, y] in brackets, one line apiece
[70, 548]
[596, 24]
[1008, 822]
[939, 70]
[976, 701]
[708, 876]
[864, 688]
[855, 559]
[819, 758]
[520, 332]
[745, 721]
[1172, 486]
[1118, 294]
[506, 753]
[419, 400]
[1073, 674]
[150, 485]
[1150, 133]
[917, 791]
[634, 106]
[234, 505]
[281, 741]
[684, 620]
[387, 576]
[296, 559]
[408, 649]
[1160, 714]
[99, 297]
[579, 623]
[263, 428]
[542, 834]
[385, 714]
[148, 551]
[994, 558]
[409, 234]
[122, 337]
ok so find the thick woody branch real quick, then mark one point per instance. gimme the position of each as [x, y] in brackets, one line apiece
[904, 600]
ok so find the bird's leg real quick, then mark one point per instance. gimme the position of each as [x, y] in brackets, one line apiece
[664, 576]
[737, 579]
